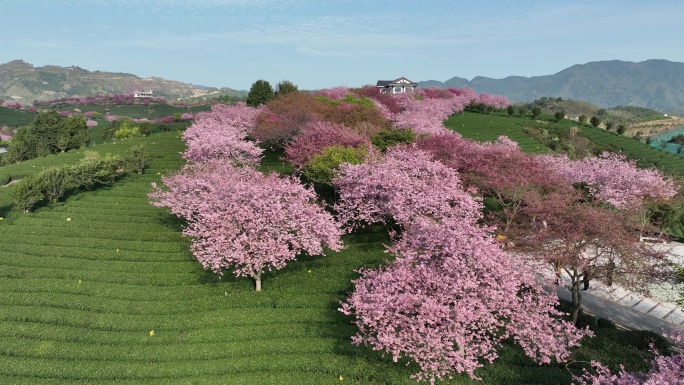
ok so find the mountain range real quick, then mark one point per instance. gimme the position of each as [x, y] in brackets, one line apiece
[24, 83]
[657, 84]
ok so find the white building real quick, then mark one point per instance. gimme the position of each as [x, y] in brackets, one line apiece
[142, 94]
[397, 86]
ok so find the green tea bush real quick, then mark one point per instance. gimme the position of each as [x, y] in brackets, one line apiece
[126, 132]
[54, 182]
[27, 192]
[389, 138]
[96, 170]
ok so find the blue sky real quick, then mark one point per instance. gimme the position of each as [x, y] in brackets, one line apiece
[326, 43]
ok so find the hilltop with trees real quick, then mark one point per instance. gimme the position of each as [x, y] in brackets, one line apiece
[360, 218]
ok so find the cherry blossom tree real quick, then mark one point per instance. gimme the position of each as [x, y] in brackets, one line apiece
[336, 93]
[242, 220]
[588, 241]
[403, 184]
[550, 221]
[317, 136]
[613, 179]
[449, 300]
[424, 115]
[221, 134]
[284, 117]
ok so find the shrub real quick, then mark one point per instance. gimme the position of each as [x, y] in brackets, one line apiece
[145, 128]
[391, 138]
[95, 170]
[138, 159]
[126, 130]
[53, 182]
[26, 193]
[322, 167]
[603, 323]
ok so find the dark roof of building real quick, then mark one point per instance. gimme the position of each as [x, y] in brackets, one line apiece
[387, 83]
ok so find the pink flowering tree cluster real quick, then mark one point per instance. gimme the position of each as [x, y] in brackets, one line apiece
[12, 104]
[549, 220]
[238, 218]
[425, 110]
[242, 220]
[613, 179]
[664, 370]
[221, 134]
[337, 93]
[398, 187]
[493, 101]
[449, 299]
[317, 136]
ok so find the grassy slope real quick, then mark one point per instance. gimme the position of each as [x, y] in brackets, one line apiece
[13, 118]
[487, 127]
[79, 299]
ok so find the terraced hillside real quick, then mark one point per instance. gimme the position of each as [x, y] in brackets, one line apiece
[101, 289]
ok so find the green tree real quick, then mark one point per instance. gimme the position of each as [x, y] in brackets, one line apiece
[602, 112]
[559, 115]
[285, 87]
[522, 110]
[145, 128]
[582, 119]
[260, 93]
[138, 160]
[23, 146]
[621, 129]
[595, 121]
[609, 126]
[536, 111]
[73, 133]
[46, 127]
[126, 130]
[510, 110]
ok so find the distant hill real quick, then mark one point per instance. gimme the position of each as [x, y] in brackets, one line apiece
[24, 83]
[657, 84]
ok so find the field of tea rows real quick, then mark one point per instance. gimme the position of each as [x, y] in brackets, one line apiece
[101, 288]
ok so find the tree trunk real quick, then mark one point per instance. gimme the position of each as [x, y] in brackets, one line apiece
[257, 281]
[576, 296]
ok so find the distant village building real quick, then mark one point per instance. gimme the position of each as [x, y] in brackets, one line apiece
[397, 86]
[142, 94]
